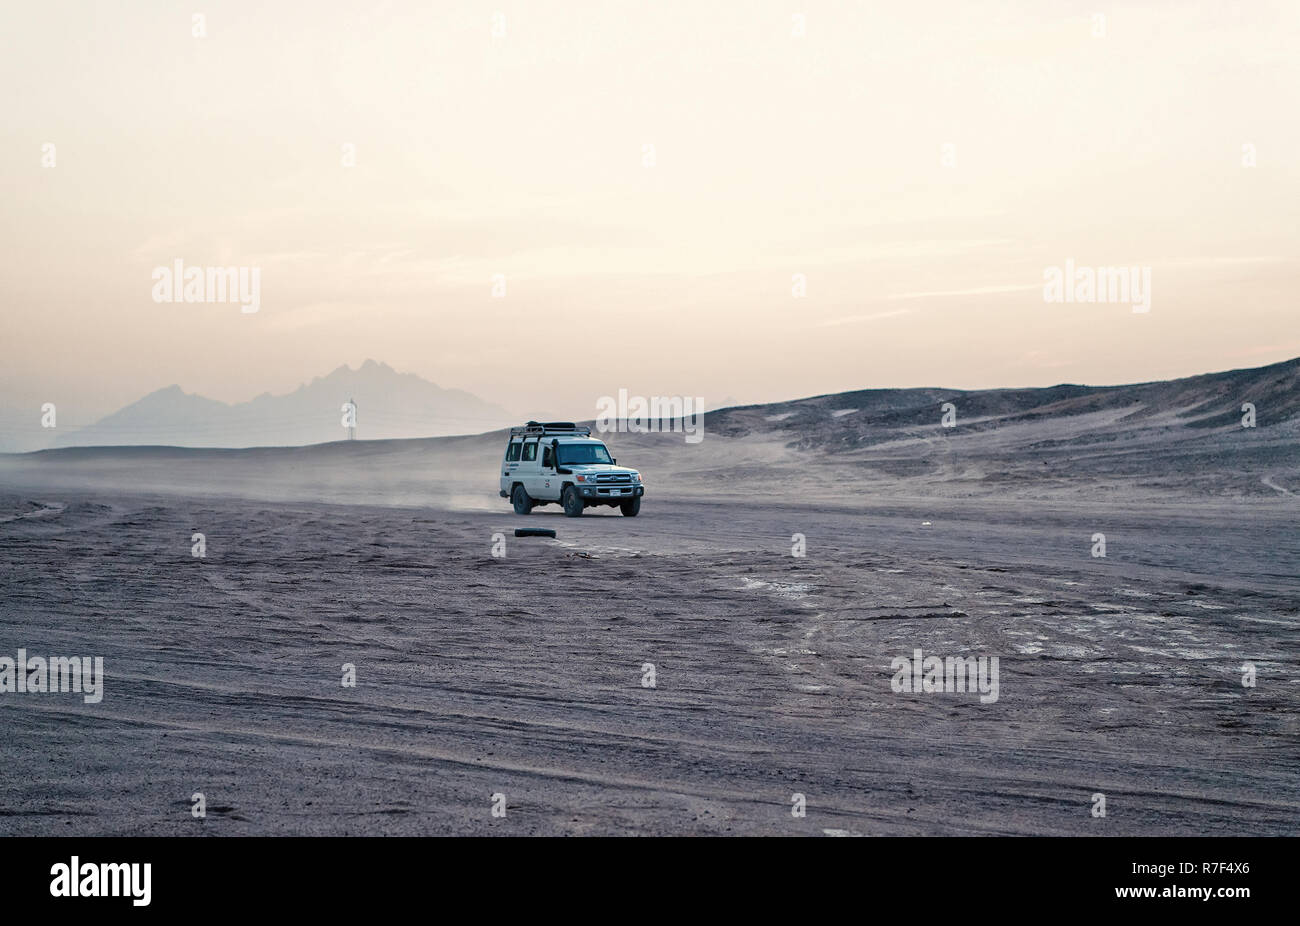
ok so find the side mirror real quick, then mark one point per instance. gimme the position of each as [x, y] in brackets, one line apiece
[615, 459]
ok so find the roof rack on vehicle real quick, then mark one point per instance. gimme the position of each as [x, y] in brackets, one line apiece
[546, 428]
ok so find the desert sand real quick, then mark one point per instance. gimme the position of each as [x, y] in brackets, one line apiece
[523, 675]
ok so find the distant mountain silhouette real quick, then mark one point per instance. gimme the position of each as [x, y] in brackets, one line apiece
[1141, 416]
[389, 405]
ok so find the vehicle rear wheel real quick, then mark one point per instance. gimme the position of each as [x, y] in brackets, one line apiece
[631, 508]
[523, 504]
[572, 502]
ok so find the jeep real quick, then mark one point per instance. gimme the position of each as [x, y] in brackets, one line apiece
[557, 461]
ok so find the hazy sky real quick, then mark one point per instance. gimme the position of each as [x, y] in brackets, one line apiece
[523, 154]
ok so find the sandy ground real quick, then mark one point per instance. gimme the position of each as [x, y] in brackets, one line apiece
[522, 675]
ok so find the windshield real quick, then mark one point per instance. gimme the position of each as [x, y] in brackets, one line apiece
[582, 453]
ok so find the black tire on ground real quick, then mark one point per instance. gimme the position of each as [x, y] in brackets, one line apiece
[631, 508]
[572, 502]
[523, 504]
[534, 532]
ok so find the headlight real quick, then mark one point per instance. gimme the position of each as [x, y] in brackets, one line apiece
[636, 477]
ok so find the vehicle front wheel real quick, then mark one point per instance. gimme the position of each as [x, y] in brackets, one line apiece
[572, 502]
[631, 508]
[523, 504]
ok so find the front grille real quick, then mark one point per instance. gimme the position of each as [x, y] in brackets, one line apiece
[613, 479]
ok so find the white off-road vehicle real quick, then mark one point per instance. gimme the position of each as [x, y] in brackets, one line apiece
[560, 462]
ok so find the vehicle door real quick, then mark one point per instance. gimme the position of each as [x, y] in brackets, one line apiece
[510, 464]
[529, 470]
[548, 478]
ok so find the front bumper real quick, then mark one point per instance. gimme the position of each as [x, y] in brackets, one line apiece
[610, 492]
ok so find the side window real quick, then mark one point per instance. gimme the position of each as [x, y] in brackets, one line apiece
[548, 456]
[530, 451]
[512, 452]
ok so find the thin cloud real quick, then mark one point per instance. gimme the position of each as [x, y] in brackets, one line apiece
[976, 291]
[854, 319]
